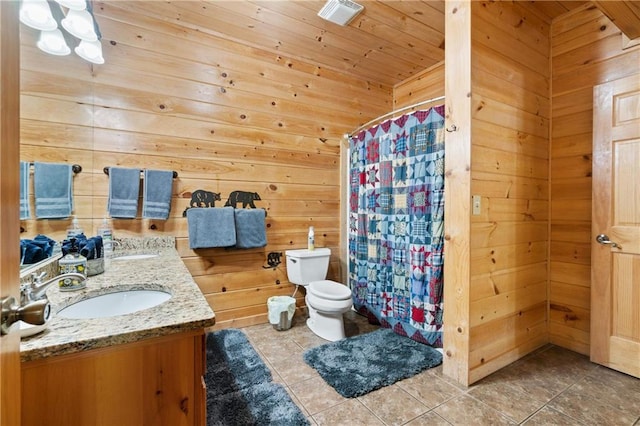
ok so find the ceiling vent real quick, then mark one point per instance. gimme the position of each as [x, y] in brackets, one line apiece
[340, 12]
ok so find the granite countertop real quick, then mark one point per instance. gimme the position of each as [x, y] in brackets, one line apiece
[187, 309]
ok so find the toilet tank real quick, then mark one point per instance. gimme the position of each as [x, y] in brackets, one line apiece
[305, 266]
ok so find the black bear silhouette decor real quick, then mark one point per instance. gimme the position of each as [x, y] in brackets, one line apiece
[273, 259]
[202, 198]
[246, 198]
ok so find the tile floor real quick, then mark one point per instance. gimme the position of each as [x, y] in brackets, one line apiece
[552, 386]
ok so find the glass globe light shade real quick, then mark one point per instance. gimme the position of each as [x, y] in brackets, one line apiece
[79, 23]
[53, 42]
[37, 14]
[90, 51]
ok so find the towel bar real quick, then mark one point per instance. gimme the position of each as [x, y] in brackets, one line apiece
[76, 168]
[106, 172]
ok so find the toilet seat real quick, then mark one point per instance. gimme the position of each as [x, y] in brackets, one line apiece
[330, 290]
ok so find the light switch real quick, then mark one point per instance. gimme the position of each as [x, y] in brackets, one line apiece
[476, 200]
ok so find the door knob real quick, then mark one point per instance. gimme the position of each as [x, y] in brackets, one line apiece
[35, 313]
[604, 240]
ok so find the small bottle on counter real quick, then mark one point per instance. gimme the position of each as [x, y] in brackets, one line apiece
[73, 261]
[311, 240]
[74, 229]
[106, 233]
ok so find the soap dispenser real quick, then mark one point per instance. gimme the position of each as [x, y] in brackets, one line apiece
[73, 261]
[311, 239]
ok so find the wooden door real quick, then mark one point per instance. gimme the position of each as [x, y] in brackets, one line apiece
[9, 206]
[615, 260]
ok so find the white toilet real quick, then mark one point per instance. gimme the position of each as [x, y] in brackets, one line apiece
[326, 300]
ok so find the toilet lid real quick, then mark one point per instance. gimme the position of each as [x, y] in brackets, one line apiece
[330, 290]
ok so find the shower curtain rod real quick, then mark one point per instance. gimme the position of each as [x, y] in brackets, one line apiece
[395, 111]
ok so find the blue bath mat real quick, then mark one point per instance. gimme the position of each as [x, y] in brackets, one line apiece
[358, 365]
[239, 386]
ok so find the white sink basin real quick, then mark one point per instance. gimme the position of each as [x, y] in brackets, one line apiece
[27, 329]
[135, 256]
[113, 304]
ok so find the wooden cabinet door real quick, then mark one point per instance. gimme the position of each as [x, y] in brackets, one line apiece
[615, 253]
[9, 204]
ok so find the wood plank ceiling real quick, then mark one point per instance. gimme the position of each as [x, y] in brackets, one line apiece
[387, 43]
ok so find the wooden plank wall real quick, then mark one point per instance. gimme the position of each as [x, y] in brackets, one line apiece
[457, 190]
[509, 171]
[505, 311]
[225, 116]
[586, 51]
[427, 84]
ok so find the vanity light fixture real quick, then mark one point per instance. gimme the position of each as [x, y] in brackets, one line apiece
[48, 16]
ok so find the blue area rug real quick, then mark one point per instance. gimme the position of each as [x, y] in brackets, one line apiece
[239, 387]
[358, 365]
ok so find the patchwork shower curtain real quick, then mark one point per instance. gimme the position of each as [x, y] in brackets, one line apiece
[396, 223]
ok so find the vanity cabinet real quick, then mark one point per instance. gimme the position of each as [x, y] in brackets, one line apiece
[155, 382]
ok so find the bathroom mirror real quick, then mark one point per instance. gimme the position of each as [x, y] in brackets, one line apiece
[26, 270]
[56, 126]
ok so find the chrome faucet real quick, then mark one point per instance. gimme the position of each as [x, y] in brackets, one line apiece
[36, 290]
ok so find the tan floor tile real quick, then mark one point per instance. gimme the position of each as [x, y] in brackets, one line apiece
[275, 377]
[580, 392]
[563, 361]
[258, 332]
[306, 338]
[548, 416]
[437, 372]
[508, 400]
[528, 377]
[295, 399]
[428, 419]
[429, 389]
[316, 395]
[351, 412]
[617, 380]
[393, 405]
[293, 369]
[464, 410]
[606, 391]
[276, 349]
[590, 410]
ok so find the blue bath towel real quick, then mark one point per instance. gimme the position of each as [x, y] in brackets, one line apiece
[53, 187]
[35, 250]
[91, 248]
[25, 210]
[211, 227]
[31, 252]
[156, 198]
[124, 188]
[250, 228]
[46, 243]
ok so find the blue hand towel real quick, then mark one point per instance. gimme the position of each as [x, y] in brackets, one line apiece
[46, 243]
[91, 248]
[31, 252]
[25, 210]
[211, 227]
[124, 188]
[250, 228]
[156, 199]
[53, 185]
